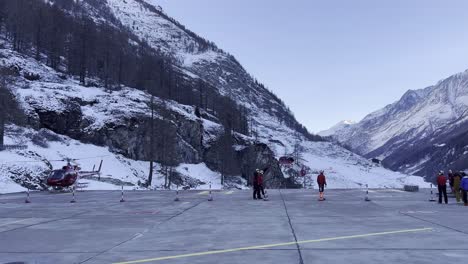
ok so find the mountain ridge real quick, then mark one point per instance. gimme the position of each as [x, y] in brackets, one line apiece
[419, 123]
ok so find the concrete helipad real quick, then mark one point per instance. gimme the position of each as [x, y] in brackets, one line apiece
[292, 227]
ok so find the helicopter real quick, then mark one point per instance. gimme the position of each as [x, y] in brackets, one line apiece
[69, 174]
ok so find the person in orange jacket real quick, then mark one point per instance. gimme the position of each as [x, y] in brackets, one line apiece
[322, 182]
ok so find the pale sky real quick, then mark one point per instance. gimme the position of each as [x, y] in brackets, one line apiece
[333, 60]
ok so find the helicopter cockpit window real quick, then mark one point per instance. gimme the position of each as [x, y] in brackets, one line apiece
[58, 174]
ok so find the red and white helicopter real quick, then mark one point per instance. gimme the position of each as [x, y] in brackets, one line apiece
[69, 175]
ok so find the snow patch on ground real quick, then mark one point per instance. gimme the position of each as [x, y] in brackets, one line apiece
[203, 173]
[7, 185]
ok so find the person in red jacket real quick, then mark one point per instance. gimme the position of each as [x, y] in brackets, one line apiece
[258, 184]
[322, 182]
[442, 186]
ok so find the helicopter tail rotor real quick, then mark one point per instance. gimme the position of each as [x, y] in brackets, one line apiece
[100, 166]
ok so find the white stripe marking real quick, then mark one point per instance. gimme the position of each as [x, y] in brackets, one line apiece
[14, 222]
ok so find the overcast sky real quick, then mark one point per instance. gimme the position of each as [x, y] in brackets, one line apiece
[332, 60]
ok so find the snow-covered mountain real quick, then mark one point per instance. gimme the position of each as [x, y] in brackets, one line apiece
[338, 127]
[67, 118]
[423, 132]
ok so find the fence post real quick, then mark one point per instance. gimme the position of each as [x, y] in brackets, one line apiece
[177, 194]
[73, 193]
[432, 199]
[27, 197]
[265, 197]
[210, 198]
[367, 194]
[122, 197]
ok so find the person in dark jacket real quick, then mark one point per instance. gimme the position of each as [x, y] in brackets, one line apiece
[322, 182]
[442, 186]
[450, 178]
[255, 185]
[464, 189]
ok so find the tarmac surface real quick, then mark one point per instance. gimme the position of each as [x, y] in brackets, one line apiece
[292, 227]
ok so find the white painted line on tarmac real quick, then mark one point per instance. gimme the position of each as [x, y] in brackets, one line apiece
[204, 192]
[229, 192]
[14, 222]
[138, 235]
[275, 245]
[395, 190]
[419, 212]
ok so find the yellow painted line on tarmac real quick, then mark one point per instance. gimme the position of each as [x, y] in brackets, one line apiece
[229, 192]
[275, 245]
[14, 222]
[204, 192]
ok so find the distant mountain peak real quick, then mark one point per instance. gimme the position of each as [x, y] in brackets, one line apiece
[338, 127]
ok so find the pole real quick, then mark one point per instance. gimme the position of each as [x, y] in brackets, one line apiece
[177, 194]
[27, 197]
[122, 197]
[367, 194]
[305, 182]
[210, 198]
[432, 199]
[265, 197]
[73, 199]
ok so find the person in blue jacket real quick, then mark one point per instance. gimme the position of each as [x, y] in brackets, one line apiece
[464, 189]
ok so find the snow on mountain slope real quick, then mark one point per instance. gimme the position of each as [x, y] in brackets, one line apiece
[149, 23]
[404, 133]
[196, 56]
[98, 106]
[338, 127]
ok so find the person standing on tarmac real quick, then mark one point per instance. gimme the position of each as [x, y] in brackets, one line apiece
[456, 185]
[255, 185]
[259, 188]
[322, 182]
[450, 178]
[464, 189]
[442, 187]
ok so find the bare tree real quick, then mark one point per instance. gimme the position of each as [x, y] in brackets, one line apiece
[9, 109]
[166, 144]
[150, 87]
